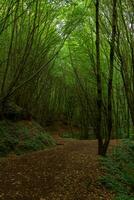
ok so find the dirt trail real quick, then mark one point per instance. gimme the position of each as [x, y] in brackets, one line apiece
[66, 172]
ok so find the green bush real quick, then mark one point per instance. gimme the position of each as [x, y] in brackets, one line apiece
[124, 197]
[8, 141]
[38, 142]
[18, 138]
[8, 145]
[119, 168]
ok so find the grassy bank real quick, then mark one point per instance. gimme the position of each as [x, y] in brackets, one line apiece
[22, 137]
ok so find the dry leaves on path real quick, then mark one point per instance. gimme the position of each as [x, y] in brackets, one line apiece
[66, 172]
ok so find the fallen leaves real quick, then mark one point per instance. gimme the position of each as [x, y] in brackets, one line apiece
[67, 172]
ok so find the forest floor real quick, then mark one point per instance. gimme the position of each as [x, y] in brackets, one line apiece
[69, 171]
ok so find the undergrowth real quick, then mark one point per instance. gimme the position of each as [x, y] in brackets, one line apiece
[20, 138]
[119, 171]
[79, 135]
[76, 135]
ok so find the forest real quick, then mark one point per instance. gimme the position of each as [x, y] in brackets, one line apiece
[66, 99]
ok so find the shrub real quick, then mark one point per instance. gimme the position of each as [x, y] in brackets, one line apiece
[20, 138]
[37, 142]
[124, 197]
[119, 168]
[8, 141]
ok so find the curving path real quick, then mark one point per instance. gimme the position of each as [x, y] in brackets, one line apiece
[66, 172]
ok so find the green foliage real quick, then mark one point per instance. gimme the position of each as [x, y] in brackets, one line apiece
[119, 168]
[72, 135]
[48, 63]
[124, 197]
[8, 141]
[18, 138]
[131, 133]
[38, 142]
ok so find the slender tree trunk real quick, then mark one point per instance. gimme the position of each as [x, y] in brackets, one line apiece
[110, 80]
[99, 82]
[102, 147]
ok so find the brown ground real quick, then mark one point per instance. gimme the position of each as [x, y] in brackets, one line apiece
[66, 172]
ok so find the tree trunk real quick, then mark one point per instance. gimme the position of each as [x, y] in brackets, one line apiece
[111, 71]
[99, 82]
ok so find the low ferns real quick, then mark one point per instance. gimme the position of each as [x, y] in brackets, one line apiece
[119, 168]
